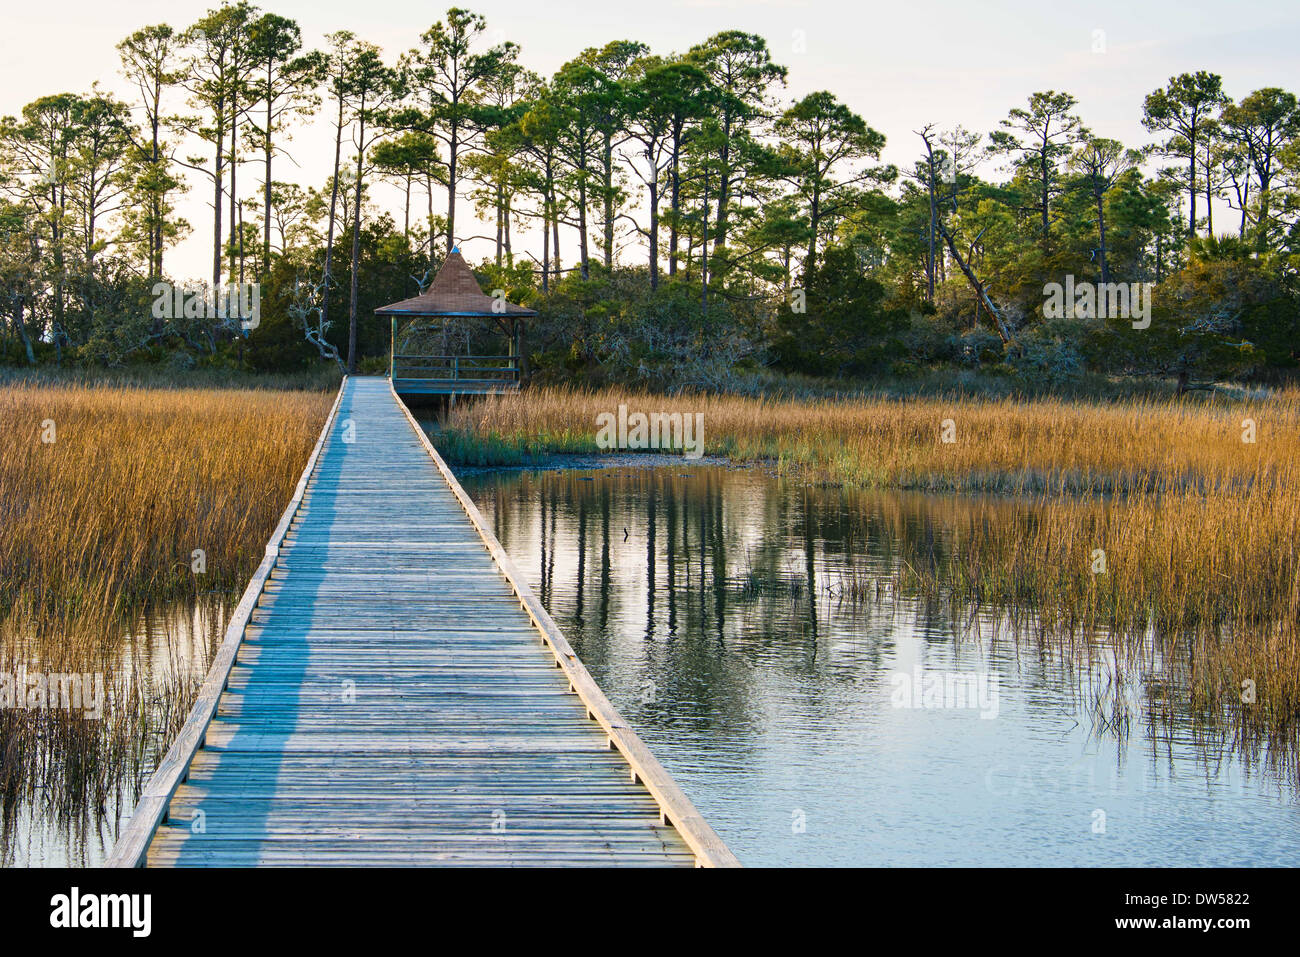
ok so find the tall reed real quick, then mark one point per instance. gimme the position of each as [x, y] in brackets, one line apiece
[112, 495]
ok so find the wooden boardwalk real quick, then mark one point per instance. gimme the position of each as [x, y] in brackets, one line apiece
[390, 692]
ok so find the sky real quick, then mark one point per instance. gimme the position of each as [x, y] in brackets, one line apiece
[898, 65]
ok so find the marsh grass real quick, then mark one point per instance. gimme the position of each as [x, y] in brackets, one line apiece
[110, 512]
[98, 532]
[1002, 445]
[164, 376]
[1196, 527]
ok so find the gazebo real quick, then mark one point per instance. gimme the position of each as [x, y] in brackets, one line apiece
[454, 293]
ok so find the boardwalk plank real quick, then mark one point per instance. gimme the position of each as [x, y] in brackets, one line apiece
[390, 699]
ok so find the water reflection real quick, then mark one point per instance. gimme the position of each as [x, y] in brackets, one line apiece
[73, 781]
[814, 721]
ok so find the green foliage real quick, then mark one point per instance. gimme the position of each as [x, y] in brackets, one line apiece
[687, 203]
[616, 329]
[846, 329]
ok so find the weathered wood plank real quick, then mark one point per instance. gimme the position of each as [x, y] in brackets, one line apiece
[388, 694]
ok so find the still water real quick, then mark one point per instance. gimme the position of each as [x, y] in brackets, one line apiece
[70, 814]
[814, 726]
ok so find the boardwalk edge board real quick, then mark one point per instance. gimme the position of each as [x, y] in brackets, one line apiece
[132, 845]
[675, 807]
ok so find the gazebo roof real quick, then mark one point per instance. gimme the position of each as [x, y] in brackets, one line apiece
[453, 292]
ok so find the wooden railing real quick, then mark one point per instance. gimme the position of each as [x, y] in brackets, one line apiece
[456, 368]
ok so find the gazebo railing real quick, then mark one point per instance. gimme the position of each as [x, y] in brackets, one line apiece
[456, 368]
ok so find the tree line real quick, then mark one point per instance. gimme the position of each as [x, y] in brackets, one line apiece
[696, 223]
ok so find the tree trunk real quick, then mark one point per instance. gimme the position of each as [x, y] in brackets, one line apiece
[428, 182]
[724, 184]
[814, 221]
[155, 200]
[266, 189]
[1265, 208]
[980, 292]
[555, 236]
[1209, 191]
[1045, 179]
[56, 236]
[609, 203]
[406, 209]
[356, 242]
[675, 188]
[505, 216]
[582, 221]
[1101, 229]
[220, 138]
[234, 170]
[929, 260]
[451, 187]
[500, 224]
[654, 230]
[329, 236]
[704, 250]
[546, 243]
[22, 330]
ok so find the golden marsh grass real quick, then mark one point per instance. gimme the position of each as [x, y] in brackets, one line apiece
[1001, 445]
[1142, 521]
[105, 493]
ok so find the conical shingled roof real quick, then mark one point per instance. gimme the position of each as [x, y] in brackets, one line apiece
[453, 292]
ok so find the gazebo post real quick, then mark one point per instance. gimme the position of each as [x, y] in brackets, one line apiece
[514, 347]
[392, 348]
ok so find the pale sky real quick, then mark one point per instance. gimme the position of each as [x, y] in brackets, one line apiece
[899, 65]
